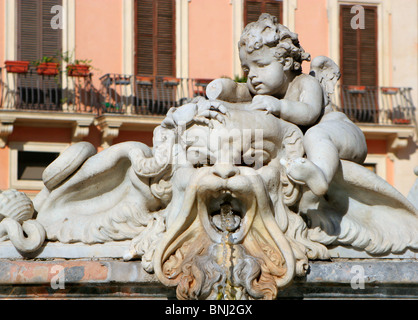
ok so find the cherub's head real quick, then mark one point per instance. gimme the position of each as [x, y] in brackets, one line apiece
[269, 53]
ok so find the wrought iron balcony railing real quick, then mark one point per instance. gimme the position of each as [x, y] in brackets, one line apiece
[376, 105]
[56, 92]
[143, 95]
[153, 96]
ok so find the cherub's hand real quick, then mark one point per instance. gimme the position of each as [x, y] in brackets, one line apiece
[181, 115]
[207, 110]
[268, 103]
[200, 111]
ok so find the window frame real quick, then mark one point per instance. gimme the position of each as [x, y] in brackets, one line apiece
[379, 161]
[384, 12]
[15, 147]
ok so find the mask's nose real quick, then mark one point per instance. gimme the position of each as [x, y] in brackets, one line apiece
[225, 170]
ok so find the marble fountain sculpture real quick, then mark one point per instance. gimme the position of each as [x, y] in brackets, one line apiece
[239, 191]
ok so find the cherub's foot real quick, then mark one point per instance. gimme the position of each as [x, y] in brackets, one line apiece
[304, 171]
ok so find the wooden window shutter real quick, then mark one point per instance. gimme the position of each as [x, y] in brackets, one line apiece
[144, 37]
[358, 48]
[51, 38]
[368, 49]
[254, 8]
[36, 37]
[165, 38]
[29, 32]
[155, 37]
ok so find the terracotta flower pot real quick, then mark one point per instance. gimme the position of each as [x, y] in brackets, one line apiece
[78, 70]
[17, 66]
[47, 69]
[401, 121]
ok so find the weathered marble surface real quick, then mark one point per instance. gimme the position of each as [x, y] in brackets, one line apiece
[105, 278]
[239, 192]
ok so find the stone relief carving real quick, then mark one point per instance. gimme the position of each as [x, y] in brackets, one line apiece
[239, 191]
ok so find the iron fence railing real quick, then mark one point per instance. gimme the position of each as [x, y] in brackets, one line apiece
[377, 105]
[57, 92]
[144, 95]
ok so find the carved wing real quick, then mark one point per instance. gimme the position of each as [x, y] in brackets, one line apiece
[363, 211]
[327, 72]
[107, 196]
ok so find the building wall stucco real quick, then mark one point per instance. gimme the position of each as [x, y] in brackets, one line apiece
[2, 32]
[404, 71]
[210, 36]
[99, 35]
[311, 24]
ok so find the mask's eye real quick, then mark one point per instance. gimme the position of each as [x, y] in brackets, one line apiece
[199, 157]
[255, 158]
[261, 65]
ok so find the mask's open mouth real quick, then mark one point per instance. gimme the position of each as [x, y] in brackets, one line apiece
[226, 212]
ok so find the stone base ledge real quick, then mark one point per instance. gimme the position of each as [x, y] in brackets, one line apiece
[117, 249]
[114, 278]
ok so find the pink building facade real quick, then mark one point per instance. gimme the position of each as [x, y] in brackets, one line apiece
[148, 56]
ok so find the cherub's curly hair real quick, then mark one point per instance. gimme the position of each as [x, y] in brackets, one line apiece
[267, 31]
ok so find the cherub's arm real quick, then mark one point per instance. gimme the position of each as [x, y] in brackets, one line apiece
[303, 111]
[200, 110]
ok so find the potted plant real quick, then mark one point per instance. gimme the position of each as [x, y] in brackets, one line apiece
[80, 68]
[17, 66]
[240, 79]
[47, 67]
[75, 67]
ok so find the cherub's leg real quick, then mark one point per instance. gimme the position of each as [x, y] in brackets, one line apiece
[318, 169]
[304, 171]
[325, 144]
[322, 151]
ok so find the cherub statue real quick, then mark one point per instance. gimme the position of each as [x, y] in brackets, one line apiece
[271, 57]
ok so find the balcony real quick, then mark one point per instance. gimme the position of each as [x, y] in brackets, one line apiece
[58, 93]
[376, 105]
[147, 96]
[53, 99]
[136, 101]
[381, 112]
[117, 93]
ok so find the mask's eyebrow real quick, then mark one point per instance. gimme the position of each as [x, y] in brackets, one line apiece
[265, 145]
